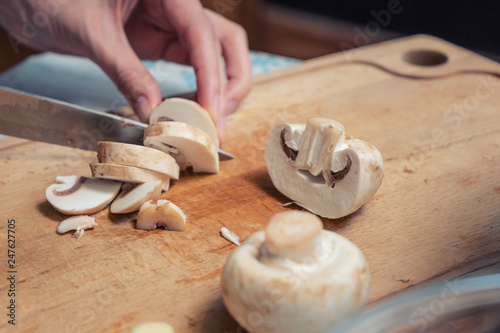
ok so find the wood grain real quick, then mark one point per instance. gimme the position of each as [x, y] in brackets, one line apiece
[435, 217]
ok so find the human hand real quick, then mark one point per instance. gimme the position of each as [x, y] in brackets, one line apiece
[116, 34]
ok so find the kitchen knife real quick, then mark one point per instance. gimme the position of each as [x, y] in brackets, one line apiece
[44, 119]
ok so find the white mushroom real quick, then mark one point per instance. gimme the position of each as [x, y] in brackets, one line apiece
[79, 223]
[137, 156]
[185, 111]
[162, 213]
[321, 169]
[294, 277]
[132, 196]
[187, 144]
[128, 174]
[81, 195]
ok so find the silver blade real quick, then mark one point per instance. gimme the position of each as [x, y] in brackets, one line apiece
[44, 119]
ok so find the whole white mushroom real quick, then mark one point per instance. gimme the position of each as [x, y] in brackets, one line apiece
[294, 277]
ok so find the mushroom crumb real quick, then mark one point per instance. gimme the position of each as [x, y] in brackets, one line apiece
[230, 236]
[78, 223]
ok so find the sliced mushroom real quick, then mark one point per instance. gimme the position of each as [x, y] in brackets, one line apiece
[187, 144]
[294, 277]
[185, 111]
[163, 213]
[137, 156]
[321, 169]
[82, 195]
[79, 223]
[132, 196]
[127, 174]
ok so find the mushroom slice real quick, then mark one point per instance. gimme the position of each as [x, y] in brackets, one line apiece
[185, 111]
[137, 156]
[132, 196]
[321, 277]
[162, 213]
[79, 223]
[321, 169]
[187, 144]
[82, 195]
[125, 173]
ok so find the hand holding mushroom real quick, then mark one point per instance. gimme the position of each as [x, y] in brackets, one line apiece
[294, 277]
[322, 169]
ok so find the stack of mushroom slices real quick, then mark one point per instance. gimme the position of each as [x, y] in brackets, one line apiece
[132, 177]
[321, 168]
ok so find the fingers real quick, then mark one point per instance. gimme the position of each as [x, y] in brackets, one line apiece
[126, 70]
[234, 43]
[196, 33]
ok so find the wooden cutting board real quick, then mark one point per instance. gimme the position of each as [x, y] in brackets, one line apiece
[431, 108]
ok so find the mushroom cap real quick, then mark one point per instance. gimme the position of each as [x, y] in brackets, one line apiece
[137, 156]
[185, 111]
[162, 213]
[187, 144]
[280, 295]
[82, 195]
[331, 183]
[132, 196]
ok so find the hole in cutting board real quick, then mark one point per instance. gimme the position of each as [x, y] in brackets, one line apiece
[425, 57]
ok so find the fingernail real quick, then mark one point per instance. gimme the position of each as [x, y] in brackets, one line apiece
[142, 108]
[231, 106]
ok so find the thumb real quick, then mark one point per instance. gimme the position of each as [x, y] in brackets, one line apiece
[131, 77]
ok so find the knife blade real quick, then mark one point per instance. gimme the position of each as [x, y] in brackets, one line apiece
[45, 119]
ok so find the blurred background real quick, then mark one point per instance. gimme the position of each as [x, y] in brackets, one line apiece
[305, 29]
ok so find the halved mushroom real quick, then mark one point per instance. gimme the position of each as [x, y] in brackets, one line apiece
[185, 111]
[321, 169]
[79, 223]
[81, 195]
[294, 277]
[187, 144]
[137, 156]
[128, 174]
[132, 196]
[162, 213]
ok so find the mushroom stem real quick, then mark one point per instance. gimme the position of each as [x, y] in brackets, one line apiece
[293, 235]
